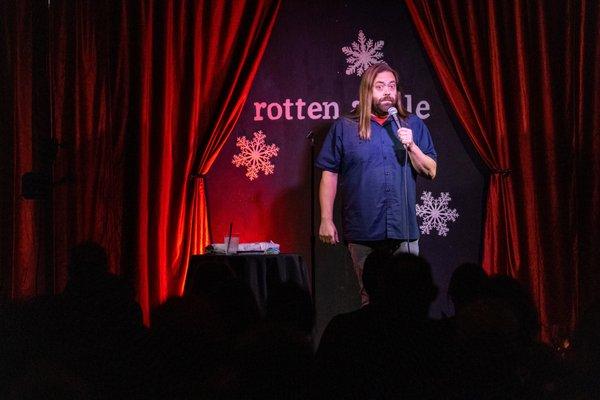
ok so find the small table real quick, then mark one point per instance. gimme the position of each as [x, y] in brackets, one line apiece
[260, 271]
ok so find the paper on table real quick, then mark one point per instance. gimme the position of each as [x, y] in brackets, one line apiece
[258, 247]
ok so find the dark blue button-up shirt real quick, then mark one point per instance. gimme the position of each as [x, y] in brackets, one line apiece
[371, 180]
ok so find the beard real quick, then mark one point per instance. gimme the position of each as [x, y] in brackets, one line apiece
[381, 106]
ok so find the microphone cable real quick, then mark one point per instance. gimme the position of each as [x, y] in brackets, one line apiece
[406, 216]
[393, 112]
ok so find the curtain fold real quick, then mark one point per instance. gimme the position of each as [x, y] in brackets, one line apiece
[523, 82]
[17, 143]
[90, 82]
[144, 95]
[198, 62]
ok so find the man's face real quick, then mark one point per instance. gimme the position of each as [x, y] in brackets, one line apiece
[384, 92]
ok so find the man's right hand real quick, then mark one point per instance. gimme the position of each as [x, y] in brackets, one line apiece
[327, 232]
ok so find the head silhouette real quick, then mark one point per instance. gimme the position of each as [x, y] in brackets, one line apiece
[88, 261]
[467, 284]
[372, 275]
[408, 286]
[518, 299]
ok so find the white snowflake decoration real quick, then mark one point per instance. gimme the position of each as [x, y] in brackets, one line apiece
[362, 54]
[435, 213]
[255, 155]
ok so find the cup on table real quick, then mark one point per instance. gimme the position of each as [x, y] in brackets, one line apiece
[232, 244]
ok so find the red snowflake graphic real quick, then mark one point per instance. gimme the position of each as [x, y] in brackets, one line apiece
[255, 155]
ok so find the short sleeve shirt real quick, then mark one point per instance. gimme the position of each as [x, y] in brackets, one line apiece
[377, 201]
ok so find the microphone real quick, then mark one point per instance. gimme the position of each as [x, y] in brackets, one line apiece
[393, 112]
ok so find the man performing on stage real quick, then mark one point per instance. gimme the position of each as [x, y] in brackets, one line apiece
[365, 155]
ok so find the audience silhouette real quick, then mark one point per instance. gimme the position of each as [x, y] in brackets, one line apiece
[390, 348]
[467, 284]
[89, 342]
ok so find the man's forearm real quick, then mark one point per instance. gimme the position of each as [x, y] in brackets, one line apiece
[327, 192]
[421, 162]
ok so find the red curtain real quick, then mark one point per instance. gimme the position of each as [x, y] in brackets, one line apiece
[16, 141]
[524, 80]
[198, 61]
[143, 96]
[90, 94]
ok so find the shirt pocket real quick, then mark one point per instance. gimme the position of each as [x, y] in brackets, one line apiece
[358, 153]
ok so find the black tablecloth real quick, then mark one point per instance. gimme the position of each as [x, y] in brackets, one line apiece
[260, 271]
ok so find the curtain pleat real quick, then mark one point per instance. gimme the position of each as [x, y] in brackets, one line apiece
[199, 59]
[144, 95]
[522, 77]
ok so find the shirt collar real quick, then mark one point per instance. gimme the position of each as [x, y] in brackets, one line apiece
[380, 120]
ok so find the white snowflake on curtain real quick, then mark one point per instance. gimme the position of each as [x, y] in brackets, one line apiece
[363, 54]
[255, 155]
[435, 213]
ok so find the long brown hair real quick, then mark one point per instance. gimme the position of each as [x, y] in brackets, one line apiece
[365, 98]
